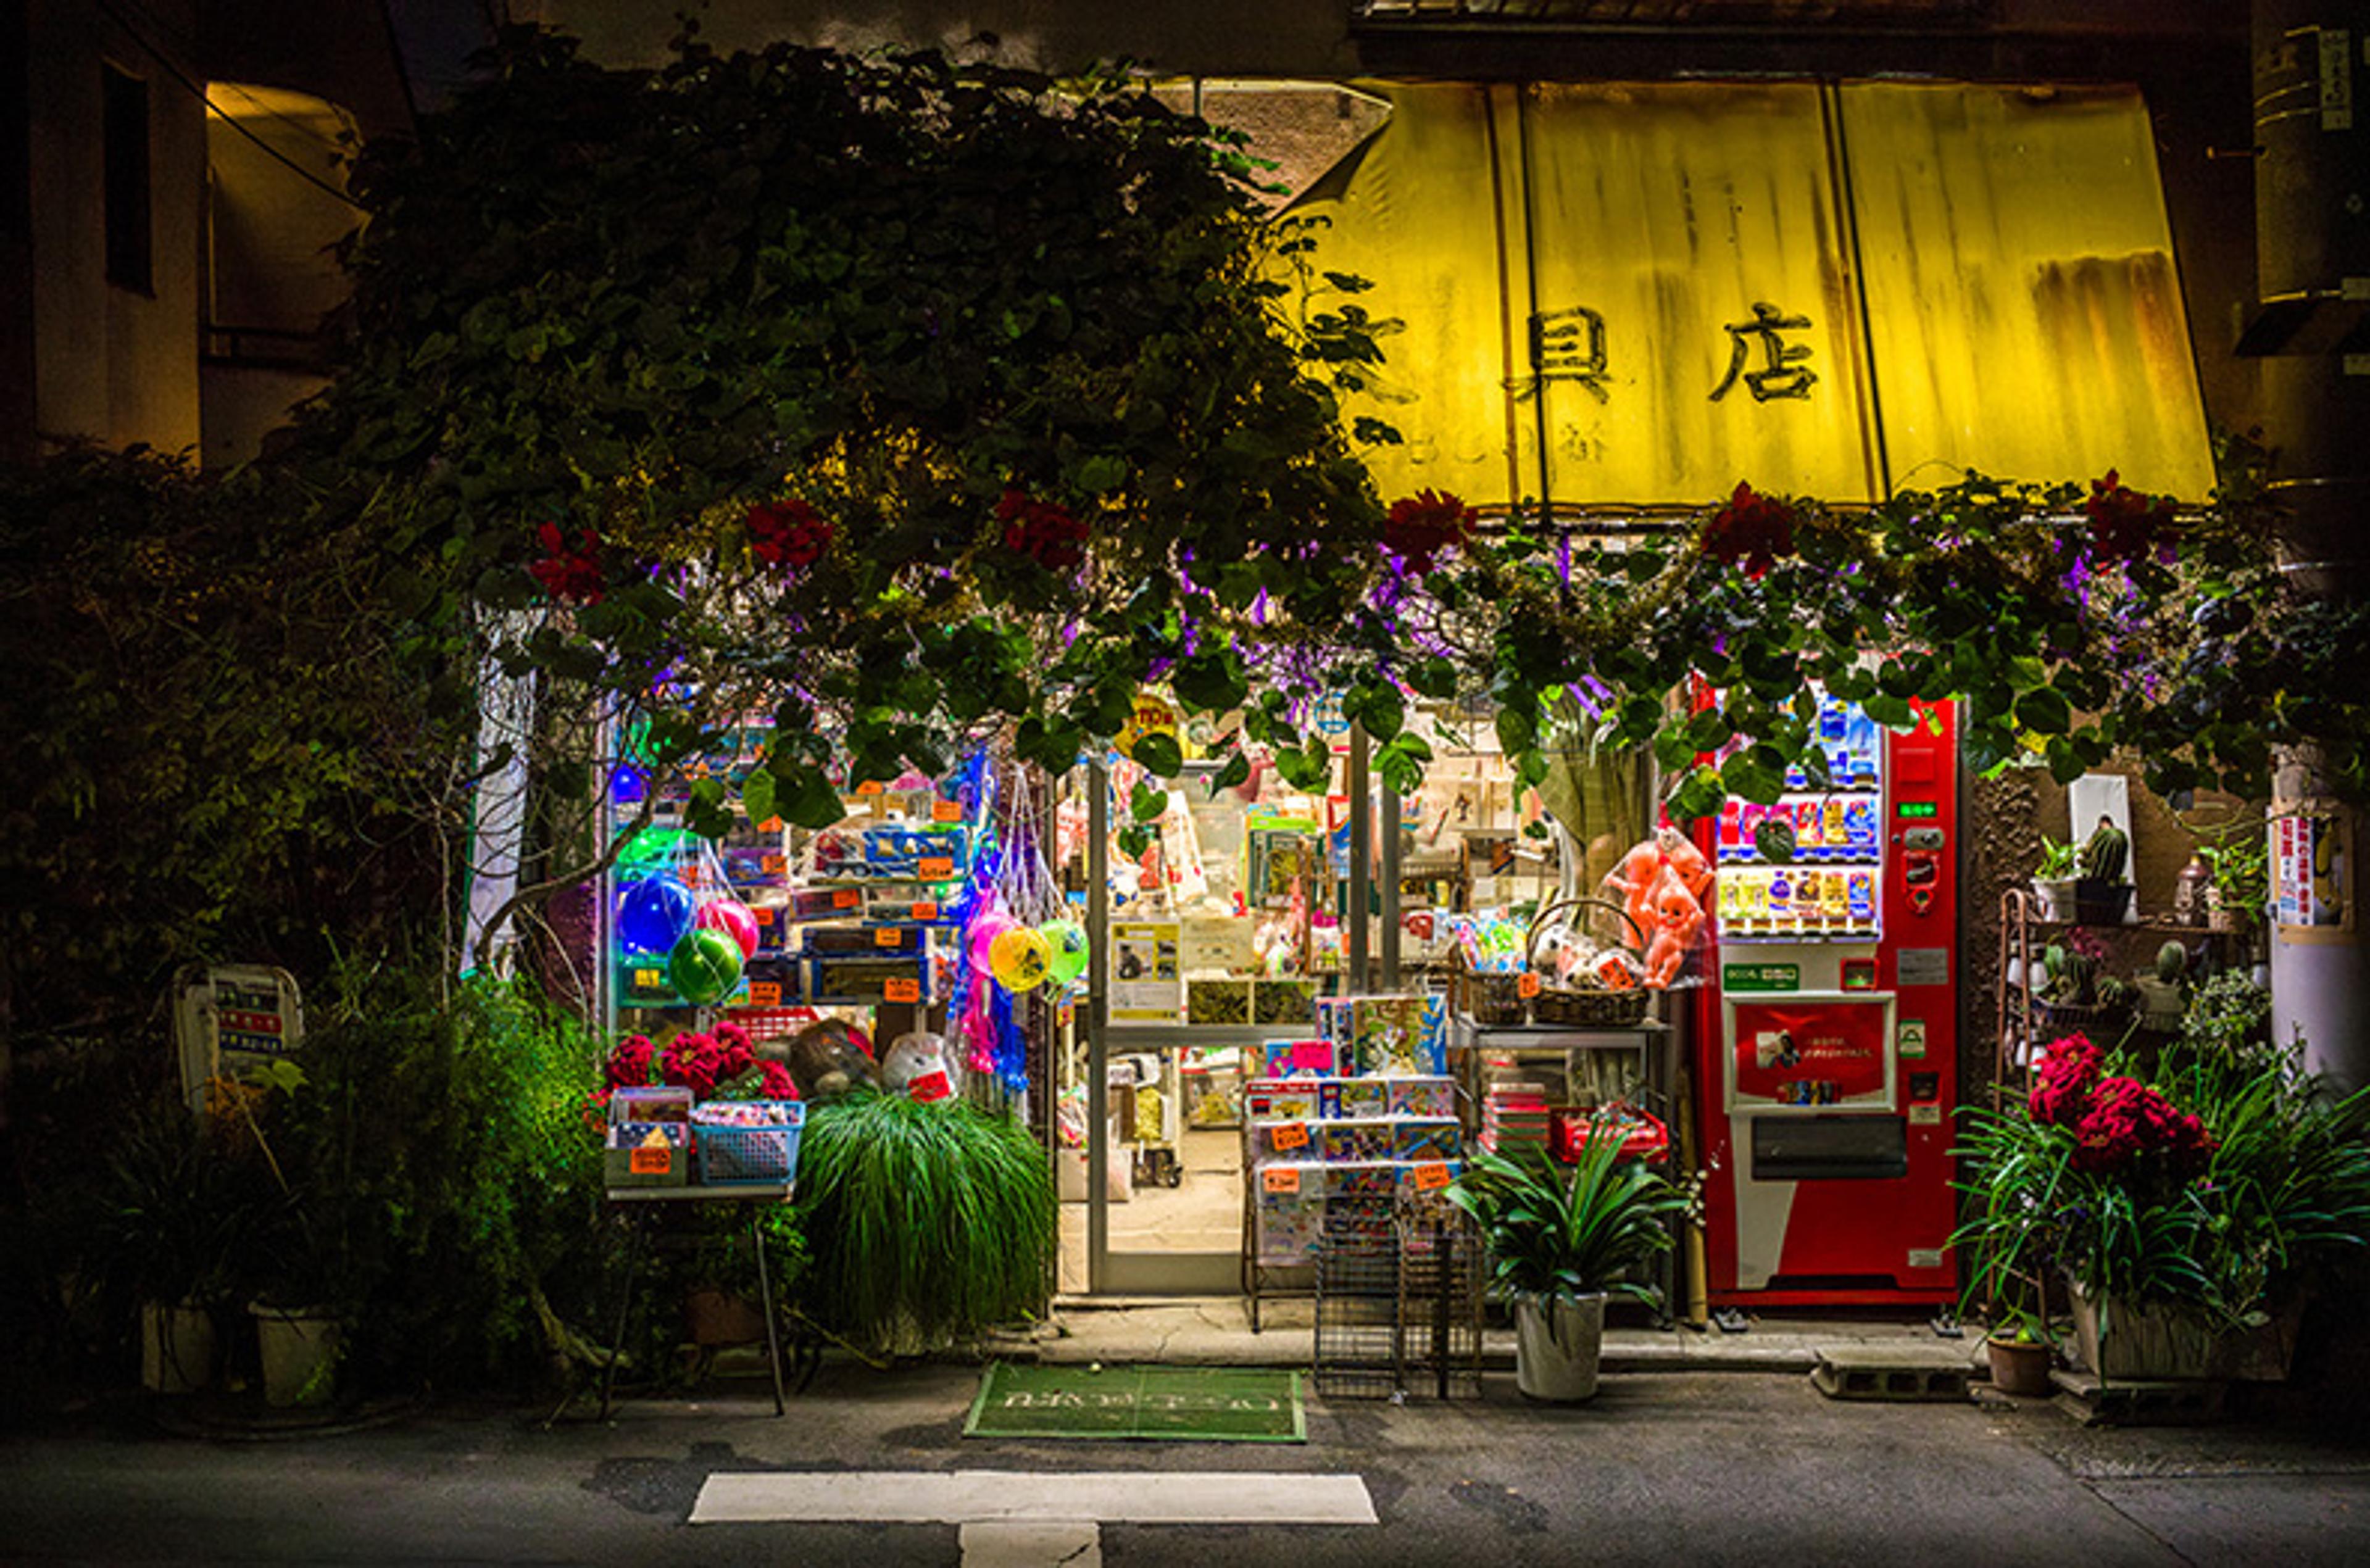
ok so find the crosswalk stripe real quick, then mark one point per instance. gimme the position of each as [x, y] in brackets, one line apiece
[1133, 1497]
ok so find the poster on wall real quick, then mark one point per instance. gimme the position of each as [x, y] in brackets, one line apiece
[1810, 1052]
[2312, 858]
[1147, 984]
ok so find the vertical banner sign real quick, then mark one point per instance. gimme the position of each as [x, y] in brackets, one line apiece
[2312, 871]
[498, 805]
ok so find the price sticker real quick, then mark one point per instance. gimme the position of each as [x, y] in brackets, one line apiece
[888, 936]
[1431, 1176]
[935, 867]
[774, 865]
[846, 899]
[946, 811]
[926, 912]
[871, 786]
[902, 990]
[762, 913]
[652, 1162]
[646, 978]
[1289, 1135]
[770, 825]
[1280, 1178]
[1528, 987]
[765, 993]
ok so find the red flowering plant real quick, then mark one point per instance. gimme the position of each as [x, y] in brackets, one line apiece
[789, 535]
[1050, 535]
[1423, 527]
[718, 1064]
[1751, 528]
[570, 573]
[2124, 524]
[2209, 1180]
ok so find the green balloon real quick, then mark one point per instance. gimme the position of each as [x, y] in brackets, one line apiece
[1067, 938]
[705, 966]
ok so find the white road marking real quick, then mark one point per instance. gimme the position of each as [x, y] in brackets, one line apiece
[967, 1496]
[1072, 1543]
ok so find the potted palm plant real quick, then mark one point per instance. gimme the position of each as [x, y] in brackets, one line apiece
[2053, 879]
[1560, 1243]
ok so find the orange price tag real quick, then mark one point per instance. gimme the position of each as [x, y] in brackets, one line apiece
[846, 899]
[935, 866]
[1289, 1135]
[774, 865]
[946, 811]
[765, 993]
[762, 913]
[1528, 987]
[1431, 1176]
[770, 825]
[871, 786]
[1280, 1178]
[888, 936]
[652, 1162]
[926, 912]
[902, 990]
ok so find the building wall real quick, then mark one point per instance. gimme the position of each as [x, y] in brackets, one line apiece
[111, 363]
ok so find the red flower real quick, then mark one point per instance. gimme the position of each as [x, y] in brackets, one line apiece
[1751, 528]
[1046, 534]
[596, 1110]
[567, 573]
[789, 534]
[2128, 1120]
[630, 1064]
[776, 1082]
[1422, 526]
[2123, 523]
[692, 1061]
[2068, 1072]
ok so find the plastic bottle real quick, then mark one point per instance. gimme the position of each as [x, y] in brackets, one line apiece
[1781, 898]
[1862, 896]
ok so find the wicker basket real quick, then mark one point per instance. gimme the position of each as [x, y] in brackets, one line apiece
[1590, 1007]
[1492, 997]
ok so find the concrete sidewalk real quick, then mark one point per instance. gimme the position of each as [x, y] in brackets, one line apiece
[1216, 1330]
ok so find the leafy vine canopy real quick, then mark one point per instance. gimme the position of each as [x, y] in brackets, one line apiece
[909, 401]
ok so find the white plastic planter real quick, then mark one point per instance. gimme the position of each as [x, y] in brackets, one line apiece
[1557, 1346]
[177, 1348]
[300, 1354]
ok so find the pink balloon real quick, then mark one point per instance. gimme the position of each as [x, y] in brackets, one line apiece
[732, 918]
[984, 932]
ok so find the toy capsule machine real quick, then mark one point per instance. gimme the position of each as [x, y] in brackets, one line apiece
[1828, 1059]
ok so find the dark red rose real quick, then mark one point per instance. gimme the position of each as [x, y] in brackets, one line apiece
[2067, 1071]
[1751, 528]
[789, 534]
[568, 574]
[1421, 527]
[1044, 532]
[2124, 524]
[630, 1064]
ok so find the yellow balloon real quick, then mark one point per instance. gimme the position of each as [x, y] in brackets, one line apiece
[1019, 958]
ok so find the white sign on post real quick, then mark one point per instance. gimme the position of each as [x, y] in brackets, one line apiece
[233, 1022]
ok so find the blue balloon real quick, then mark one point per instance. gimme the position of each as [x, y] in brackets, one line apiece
[653, 913]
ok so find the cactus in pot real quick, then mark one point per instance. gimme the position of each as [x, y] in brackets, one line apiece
[2100, 894]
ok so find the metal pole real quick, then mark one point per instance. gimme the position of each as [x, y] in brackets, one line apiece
[1354, 920]
[1390, 932]
[1098, 1018]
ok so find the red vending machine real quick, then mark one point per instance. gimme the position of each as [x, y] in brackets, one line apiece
[1829, 1051]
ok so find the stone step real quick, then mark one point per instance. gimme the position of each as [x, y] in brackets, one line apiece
[2088, 1399]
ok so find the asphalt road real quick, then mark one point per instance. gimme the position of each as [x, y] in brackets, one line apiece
[1700, 1470]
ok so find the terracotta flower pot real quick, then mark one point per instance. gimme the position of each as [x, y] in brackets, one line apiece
[2020, 1366]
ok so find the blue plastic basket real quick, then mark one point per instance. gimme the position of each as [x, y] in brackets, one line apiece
[753, 1156]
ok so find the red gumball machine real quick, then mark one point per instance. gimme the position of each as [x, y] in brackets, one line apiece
[1827, 1063]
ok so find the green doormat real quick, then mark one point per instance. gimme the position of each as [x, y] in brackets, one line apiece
[1213, 1404]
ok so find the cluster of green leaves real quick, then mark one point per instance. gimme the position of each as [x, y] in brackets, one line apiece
[2283, 1197]
[1553, 1231]
[636, 303]
[926, 1221]
[214, 750]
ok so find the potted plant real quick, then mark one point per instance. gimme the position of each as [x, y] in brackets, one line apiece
[2071, 994]
[2053, 879]
[2100, 894]
[2019, 1349]
[2240, 891]
[926, 1221]
[1561, 1242]
[2188, 1205]
[2162, 992]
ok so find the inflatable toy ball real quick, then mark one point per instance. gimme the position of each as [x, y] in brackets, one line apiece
[704, 967]
[1019, 958]
[654, 914]
[734, 918]
[1068, 941]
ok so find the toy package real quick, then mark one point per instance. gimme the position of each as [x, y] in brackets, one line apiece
[1357, 1143]
[1291, 1213]
[1352, 1097]
[1298, 1058]
[1421, 1140]
[1382, 1036]
[1273, 1100]
[1432, 1097]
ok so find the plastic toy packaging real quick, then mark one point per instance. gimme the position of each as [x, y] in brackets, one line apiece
[1664, 885]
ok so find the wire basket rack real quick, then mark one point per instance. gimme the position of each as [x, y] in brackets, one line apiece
[1398, 1302]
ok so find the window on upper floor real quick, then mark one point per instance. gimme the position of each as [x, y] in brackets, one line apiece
[124, 136]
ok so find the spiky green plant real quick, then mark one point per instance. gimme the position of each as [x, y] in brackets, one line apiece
[1554, 1233]
[930, 1221]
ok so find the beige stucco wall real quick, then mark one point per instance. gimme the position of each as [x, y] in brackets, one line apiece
[112, 364]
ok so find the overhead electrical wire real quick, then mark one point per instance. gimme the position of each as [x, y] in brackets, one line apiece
[196, 91]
